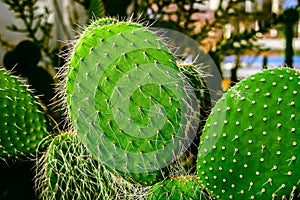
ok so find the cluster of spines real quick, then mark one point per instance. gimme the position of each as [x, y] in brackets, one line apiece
[23, 120]
[249, 145]
[176, 188]
[66, 170]
[112, 56]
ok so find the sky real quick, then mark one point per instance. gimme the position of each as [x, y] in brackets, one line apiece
[290, 3]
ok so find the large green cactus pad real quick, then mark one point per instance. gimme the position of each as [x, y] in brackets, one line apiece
[250, 146]
[177, 188]
[23, 122]
[128, 101]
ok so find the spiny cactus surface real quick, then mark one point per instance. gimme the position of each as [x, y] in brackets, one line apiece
[68, 171]
[23, 122]
[128, 100]
[176, 188]
[250, 146]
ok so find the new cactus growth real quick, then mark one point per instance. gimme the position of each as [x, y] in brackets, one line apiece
[250, 146]
[128, 100]
[23, 122]
[176, 188]
[67, 171]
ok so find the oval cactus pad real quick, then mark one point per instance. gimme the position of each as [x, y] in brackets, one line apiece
[23, 122]
[128, 100]
[250, 145]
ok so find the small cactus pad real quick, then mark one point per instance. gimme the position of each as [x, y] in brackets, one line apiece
[128, 100]
[67, 171]
[177, 188]
[250, 145]
[23, 122]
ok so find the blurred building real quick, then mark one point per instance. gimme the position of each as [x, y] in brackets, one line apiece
[246, 16]
[274, 40]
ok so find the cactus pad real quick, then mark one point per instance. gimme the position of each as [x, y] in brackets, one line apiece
[68, 171]
[176, 188]
[128, 100]
[250, 145]
[23, 122]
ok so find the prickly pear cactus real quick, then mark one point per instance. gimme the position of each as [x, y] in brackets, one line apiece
[67, 171]
[176, 188]
[250, 146]
[23, 122]
[128, 100]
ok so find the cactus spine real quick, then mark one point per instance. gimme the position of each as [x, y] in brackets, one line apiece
[67, 171]
[23, 122]
[250, 146]
[128, 101]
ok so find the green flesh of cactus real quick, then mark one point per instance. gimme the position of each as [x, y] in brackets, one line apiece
[68, 171]
[250, 145]
[23, 122]
[177, 188]
[126, 99]
[99, 22]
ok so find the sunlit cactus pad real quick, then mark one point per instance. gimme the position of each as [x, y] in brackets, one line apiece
[128, 100]
[178, 188]
[250, 146]
[23, 122]
[68, 171]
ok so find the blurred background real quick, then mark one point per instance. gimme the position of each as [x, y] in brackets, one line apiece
[241, 36]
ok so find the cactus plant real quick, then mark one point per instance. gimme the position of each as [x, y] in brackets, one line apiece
[23, 121]
[67, 171]
[128, 100]
[23, 61]
[197, 79]
[250, 146]
[175, 188]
